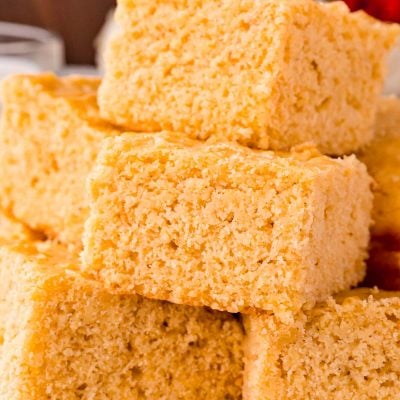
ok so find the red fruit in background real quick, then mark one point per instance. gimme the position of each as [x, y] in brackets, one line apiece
[354, 4]
[386, 10]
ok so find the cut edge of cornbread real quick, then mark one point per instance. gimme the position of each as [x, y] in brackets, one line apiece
[346, 347]
[64, 337]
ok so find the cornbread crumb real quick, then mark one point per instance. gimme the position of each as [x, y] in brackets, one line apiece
[224, 226]
[50, 134]
[346, 348]
[268, 74]
[64, 338]
[382, 158]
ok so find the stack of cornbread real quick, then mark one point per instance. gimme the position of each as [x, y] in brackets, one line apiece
[194, 226]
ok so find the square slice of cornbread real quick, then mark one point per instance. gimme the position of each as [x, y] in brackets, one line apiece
[64, 338]
[269, 74]
[50, 134]
[382, 158]
[224, 226]
[344, 349]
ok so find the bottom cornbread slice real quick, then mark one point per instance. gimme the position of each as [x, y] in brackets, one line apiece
[225, 226]
[346, 348]
[62, 337]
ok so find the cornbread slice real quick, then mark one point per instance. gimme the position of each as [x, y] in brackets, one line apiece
[64, 338]
[224, 226]
[346, 348]
[256, 72]
[50, 134]
[382, 158]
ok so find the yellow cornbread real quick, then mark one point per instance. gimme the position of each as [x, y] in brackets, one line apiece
[13, 230]
[50, 134]
[345, 349]
[64, 338]
[382, 158]
[268, 74]
[224, 226]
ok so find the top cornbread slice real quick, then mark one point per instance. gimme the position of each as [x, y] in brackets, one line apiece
[382, 158]
[225, 226]
[50, 134]
[268, 74]
[343, 349]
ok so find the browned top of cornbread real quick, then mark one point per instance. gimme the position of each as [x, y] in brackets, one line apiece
[365, 294]
[71, 87]
[80, 92]
[305, 157]
[46, 259]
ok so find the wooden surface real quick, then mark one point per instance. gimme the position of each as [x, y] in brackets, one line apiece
[76, 21]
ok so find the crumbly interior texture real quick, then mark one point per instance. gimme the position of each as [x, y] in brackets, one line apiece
[224, 226]
[382, 158]
[64, 338]
[269, 74]
[50, 134]
[346, 348]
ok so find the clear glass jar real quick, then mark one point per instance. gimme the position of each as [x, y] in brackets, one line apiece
[27, 49]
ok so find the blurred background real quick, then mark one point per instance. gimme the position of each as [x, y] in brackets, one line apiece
[67, 43]
[68, 36]
[77, 22]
